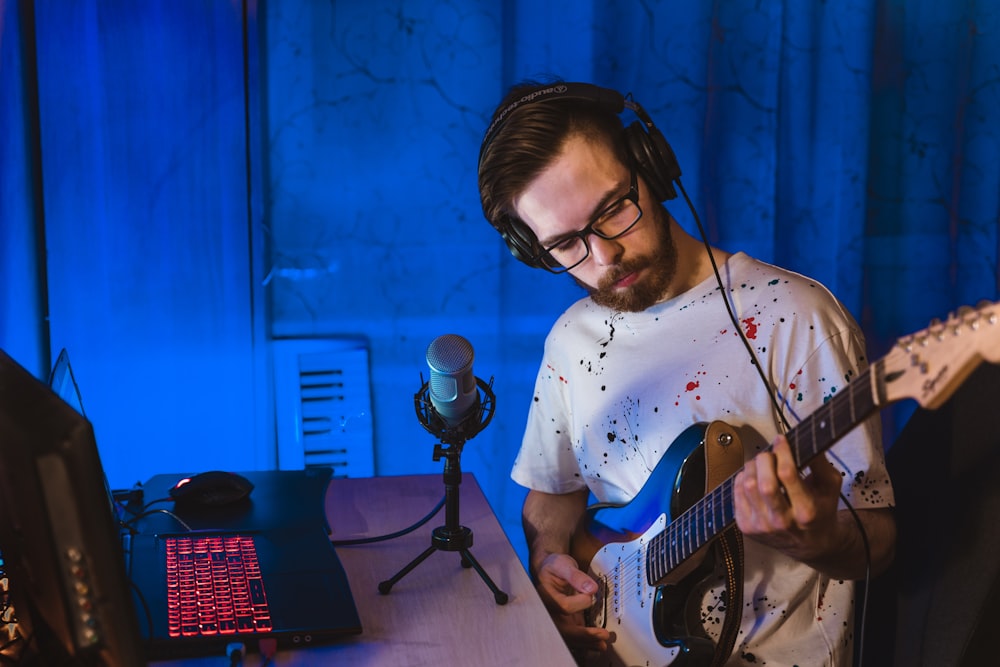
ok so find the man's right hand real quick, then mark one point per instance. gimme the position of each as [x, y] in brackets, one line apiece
[568, 592]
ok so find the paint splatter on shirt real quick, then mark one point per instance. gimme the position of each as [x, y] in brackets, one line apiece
[616, 389]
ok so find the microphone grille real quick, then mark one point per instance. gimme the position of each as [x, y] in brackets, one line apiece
[450, 354]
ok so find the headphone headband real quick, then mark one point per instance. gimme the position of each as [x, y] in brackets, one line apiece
[612, 100]
[653, 157]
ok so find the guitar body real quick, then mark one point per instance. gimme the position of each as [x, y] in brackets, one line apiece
[645, 578]
[654, 624]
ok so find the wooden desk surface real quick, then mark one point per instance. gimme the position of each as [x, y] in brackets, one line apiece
[439, 613]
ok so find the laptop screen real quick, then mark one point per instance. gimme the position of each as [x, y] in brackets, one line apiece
[58, 537]
[306, 587]
[63, 383]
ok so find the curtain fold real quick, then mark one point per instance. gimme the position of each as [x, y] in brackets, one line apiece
[854, 142]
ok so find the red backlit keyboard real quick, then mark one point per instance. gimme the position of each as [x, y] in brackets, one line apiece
[214, 587]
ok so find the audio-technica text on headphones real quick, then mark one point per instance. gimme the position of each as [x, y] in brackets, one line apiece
[653, 157]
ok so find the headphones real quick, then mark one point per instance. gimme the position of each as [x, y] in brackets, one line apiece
[653, 157]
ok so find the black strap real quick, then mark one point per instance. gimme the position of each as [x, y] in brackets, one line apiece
[723, 458]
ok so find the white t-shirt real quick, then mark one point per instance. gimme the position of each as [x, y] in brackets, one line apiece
[615, 389]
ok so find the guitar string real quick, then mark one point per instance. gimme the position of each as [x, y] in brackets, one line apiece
[674, 544]
[659, 544]
[631, 575]
[677, 542]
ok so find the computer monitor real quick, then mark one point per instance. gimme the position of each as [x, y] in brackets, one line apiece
[58, 535]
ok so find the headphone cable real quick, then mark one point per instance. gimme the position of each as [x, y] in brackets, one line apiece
[787, 427]
[729, 309]
[391, 536]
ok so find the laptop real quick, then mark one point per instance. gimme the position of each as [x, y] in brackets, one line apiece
[290, 588]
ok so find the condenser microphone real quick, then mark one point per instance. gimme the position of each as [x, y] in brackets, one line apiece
[453, 391]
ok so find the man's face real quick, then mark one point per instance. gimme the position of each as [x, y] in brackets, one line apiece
[628, 273]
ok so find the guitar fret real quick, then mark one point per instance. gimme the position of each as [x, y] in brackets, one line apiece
[651, 562]
[793, 441]
[812, 437]
[668, 562]
[695, 536]
[822, 433]
[682, 543]
[686, 523]
[718, 513]
[697, 526]
[701, 524]
[727, 510]
[672, 551]
[690, 535]
[663, 560]
[833, 425]
[679, 541]
[850, 397]
[665, 563]
[679, 544]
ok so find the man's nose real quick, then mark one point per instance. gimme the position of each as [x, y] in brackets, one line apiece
[605, 251]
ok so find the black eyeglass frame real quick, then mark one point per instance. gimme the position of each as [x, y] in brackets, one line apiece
[545, 260]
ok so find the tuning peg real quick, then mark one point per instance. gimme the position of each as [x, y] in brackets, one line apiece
[987, 309]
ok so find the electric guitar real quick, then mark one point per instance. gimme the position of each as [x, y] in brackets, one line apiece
[643, 580]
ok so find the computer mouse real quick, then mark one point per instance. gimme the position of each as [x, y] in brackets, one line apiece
[214, 488]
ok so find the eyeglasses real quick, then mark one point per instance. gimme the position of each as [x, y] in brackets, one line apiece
[613, 221]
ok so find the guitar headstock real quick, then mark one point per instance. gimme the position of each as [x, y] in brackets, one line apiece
[930, 364]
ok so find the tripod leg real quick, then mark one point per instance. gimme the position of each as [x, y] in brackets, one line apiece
[498, 594]
[386, 585]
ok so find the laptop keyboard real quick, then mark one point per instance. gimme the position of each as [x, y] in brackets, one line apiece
[214, 586]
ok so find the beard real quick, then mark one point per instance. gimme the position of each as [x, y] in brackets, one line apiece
[649, 290]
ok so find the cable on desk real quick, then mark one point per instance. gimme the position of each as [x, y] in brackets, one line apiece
[145, 511]
[130, 524]
[390, 536]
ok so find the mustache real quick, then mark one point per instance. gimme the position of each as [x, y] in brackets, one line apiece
[620, 271]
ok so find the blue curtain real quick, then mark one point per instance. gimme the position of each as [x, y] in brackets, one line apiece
[23, 331]
[853, 141]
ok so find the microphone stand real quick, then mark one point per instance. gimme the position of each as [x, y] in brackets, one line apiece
[452, 536]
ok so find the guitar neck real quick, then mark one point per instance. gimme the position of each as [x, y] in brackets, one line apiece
[715, 511]
[839, 415]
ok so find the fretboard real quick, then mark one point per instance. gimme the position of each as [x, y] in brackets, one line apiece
[708, 517]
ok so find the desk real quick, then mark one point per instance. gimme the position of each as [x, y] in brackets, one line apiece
[439, 613]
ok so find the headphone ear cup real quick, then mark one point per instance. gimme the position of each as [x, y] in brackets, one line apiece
[655, 160]
[520, 241]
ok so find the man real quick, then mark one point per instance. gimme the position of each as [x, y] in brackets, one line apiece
[664, 341]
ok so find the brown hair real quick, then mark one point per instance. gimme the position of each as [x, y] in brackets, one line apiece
[524, 137]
